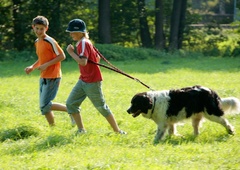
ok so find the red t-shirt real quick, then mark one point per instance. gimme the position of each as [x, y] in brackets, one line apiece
[89, 73]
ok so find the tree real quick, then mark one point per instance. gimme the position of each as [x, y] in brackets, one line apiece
[196, 4]
[130, 23]
[182, 23]
[50, 9]
[104, 26]
[159, 33]
[125, 23]
[222, 7]
[17, 24]
[18, 15]
[177, 24]
[144, 29]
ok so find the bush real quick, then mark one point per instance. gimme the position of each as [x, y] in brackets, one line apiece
[213, 41]
[119, 53]
[17, 56]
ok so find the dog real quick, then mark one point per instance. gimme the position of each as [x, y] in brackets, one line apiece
[168, 107]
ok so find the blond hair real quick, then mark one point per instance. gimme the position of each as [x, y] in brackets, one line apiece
[86, 35]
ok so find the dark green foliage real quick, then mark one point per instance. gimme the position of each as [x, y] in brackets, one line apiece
[16, 32]
[14, 55]
[212, 41]
[236, 52]
[119, 53]
[124, 22]
[16, 24]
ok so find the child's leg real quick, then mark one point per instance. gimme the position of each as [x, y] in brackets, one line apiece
[75, 98]
[48, 91]
[111, 120]
[59, 107]
[50, 118]
[78, 119]
[94, 93]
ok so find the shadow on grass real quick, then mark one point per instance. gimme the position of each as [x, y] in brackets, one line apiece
[53, 141]
[195, 139]
[19, 136]
[161, 64]
[39, 145]
[18, 133]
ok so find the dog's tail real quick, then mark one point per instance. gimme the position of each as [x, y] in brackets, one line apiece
[230, 105]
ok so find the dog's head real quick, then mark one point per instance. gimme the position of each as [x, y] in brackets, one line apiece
[140, 103]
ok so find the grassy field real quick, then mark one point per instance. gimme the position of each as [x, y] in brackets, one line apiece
[28, 143]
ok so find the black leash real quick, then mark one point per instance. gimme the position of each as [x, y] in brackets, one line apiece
[113, 68]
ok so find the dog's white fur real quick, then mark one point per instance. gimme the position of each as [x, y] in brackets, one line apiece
[229, 105]
[158, 115]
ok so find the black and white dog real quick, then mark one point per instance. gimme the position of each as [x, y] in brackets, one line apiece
[168, 107]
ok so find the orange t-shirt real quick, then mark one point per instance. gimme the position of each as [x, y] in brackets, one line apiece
[48, 49]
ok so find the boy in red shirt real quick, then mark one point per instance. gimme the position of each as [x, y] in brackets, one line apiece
[50, 55]
[90, 80]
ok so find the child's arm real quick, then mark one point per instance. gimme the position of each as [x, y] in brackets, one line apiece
[98, 58]
[82, 61]
[59, 58]
[29, 69]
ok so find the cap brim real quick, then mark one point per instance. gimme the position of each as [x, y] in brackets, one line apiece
[76, 31]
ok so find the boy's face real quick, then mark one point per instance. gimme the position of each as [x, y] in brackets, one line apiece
[76, 36]
[40, 30]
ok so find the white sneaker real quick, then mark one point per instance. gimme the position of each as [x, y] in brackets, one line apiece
[81, 131]
[122, 132]
[72, 121]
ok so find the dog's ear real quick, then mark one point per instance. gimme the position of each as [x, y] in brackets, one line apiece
[150, 102]
[142, 101]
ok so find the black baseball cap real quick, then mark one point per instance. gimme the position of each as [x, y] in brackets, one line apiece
[76, 25]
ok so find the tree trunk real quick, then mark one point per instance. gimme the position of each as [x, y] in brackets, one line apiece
[182, 23]
[55, 25]
[17, 25]
[144, 29]
[177, 24]
[196, 4]
[104, 26]
[159, 33]
[222, 6]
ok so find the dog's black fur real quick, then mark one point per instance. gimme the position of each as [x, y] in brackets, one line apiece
[168, 107]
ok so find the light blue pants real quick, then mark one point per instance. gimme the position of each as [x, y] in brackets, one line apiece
[47, 92]
[91, 90]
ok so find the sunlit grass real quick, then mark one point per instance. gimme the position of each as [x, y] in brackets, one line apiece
[100, 148]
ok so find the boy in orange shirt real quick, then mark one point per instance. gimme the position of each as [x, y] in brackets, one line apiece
[50, 55]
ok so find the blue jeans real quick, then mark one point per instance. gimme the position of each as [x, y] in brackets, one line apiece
[91, 90]
[47, 92]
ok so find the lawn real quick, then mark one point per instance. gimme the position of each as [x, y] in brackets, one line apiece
[27, 142]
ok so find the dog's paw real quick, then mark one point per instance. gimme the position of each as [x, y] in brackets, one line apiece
[231, 130]
[178, 135]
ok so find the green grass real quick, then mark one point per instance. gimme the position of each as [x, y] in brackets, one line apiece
[26, 141]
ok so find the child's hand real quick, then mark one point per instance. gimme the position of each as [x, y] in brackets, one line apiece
[42, 67]
[70, 48]
[28, 69]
